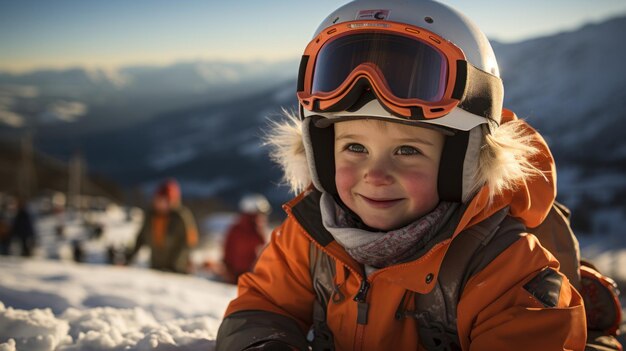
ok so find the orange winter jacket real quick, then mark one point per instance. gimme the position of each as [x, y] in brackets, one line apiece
[496, 310]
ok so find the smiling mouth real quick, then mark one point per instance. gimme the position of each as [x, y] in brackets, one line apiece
[380, 203]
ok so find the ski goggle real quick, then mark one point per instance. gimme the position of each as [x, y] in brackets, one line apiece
[413, 72]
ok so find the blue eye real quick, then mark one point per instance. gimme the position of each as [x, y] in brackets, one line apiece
[407, 150]
[358, 148]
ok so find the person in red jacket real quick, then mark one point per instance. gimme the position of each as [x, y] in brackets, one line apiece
[246, 236]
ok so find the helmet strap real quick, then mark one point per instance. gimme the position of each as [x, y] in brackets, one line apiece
[450, 178]
[322, 144]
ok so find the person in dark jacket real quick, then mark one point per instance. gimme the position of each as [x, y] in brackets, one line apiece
[169, 229]
[246, 237]
[5, 230]
[22, 229]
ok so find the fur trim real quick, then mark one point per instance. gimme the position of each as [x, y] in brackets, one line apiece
[287, 150]
[504, 160]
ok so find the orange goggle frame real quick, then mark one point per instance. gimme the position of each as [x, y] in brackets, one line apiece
[457, 76]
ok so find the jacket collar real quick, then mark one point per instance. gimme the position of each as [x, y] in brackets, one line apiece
[305, 210]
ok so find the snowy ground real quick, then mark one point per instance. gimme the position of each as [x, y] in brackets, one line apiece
[68, 306]
[52, 303]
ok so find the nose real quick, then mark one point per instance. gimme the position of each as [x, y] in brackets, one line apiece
[378, 174]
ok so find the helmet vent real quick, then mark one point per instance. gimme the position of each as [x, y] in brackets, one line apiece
[429, 19]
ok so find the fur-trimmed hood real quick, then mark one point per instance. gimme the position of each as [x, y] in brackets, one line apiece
[287, 150]
[515, 169]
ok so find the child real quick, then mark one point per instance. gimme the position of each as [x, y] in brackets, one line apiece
[411, 157]
[246, 236]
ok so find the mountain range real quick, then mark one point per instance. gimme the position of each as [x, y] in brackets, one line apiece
[78, 102]
[202, 122]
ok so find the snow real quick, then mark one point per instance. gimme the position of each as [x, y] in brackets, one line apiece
[50, 302]
[207, 188]
[34, 330]
[171, 155]
[284, 94]
[68, 306]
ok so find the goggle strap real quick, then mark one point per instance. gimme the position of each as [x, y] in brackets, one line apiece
[483, 92]
[461, 80]
[304, 61]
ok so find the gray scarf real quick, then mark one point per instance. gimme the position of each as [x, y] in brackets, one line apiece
[382, 249]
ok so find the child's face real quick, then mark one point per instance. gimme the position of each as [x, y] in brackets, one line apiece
[387, 172]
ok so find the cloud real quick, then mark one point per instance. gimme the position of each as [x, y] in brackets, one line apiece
[66, 111]
[12, 119]
[111, 75]
[218, 73]
[20, 91]
[9, 95]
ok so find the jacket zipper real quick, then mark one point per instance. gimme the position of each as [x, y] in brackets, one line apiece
[362, 308]
[361, 300]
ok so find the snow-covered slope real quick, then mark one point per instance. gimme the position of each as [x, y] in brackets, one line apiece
[572, 88]
[67, 306]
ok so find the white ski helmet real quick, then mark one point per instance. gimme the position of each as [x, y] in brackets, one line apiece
[254, 203]
[416, 62]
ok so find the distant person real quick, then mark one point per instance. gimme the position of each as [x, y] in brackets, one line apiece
[246, 236]
[115, 255]
[22, 228]
[5, 233]
[5, 239]
[78, 251]
[169, 229]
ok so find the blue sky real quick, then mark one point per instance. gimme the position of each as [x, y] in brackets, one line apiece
[109, 33]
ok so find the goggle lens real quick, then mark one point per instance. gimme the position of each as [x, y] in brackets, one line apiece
[411, 68]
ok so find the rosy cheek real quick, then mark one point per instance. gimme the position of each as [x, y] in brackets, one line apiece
[421, 187]
[345, 178]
